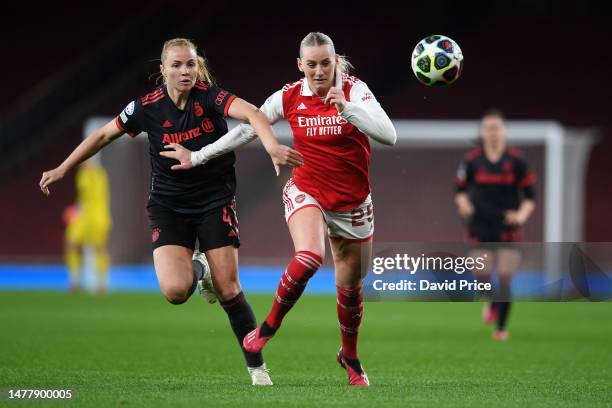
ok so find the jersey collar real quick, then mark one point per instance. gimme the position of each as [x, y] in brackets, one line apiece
[189, 98]
[306, 91]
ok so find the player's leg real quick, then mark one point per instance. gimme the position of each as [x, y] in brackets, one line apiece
[99, 239]
[173, 266]
[224, 266]
[102, 260]
[307, 228]
[218, 237]
[489, 310]
[351, 260]
[73, 241]
[173, 241]
[508, 261]
[350, 237]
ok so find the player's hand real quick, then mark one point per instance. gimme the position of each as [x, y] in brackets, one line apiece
[514, 218]
[49, 177]
[466, 210]
[180, 153]
[336, 96]
[284, 155]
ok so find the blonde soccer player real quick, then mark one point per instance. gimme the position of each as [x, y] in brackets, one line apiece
[189, 110]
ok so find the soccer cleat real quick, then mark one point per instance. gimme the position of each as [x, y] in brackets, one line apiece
[355, 378]
[500, 335]
[489, 313]
[260, 375]
[205, 285]
[253, 342]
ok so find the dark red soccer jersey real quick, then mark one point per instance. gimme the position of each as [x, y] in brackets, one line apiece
[201, 122]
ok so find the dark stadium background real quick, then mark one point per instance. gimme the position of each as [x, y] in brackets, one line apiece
[66, 61]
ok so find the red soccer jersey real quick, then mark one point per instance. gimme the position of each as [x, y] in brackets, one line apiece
[336, 153]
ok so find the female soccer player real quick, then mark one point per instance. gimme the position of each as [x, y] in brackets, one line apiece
[88, 223]
[495, 195]
[189, 109]
[331, 115]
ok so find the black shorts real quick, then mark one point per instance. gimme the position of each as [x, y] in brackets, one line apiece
[214, 228]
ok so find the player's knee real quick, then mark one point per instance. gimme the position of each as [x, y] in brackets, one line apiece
[177, 294]
[317, 250]
[228, 290]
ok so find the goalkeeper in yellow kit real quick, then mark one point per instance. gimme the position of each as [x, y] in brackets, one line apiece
[88, 223]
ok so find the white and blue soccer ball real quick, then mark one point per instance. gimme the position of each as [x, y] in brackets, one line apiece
[437, 60]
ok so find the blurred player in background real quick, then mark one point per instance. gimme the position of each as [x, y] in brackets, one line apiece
[331, 115]
[495, 196]
[88, 223]
[197, 204]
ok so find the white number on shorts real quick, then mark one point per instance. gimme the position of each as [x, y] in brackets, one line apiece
[358, 213]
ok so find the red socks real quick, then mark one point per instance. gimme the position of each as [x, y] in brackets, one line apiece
[293, 282]
[350, 312]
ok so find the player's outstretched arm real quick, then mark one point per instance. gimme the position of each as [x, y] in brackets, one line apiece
[364, 112]
[88, 147]
[236, 137]
[280, 154]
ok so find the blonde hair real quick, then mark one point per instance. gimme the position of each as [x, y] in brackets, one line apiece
[204, 74]
[315, 38]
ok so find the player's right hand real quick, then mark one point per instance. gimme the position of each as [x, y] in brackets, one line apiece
[284, 155]
[49, 177]
[181, 154]
[466, 210]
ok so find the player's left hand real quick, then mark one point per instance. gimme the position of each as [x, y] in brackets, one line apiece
[514, 218]
[180, 153]
[336, 96]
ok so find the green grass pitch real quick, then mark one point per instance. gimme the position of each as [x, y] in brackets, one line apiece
[137, 350]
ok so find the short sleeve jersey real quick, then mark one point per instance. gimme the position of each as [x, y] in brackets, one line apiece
[200, 123]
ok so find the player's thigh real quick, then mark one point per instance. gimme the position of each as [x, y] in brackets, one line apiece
[75, 233]
[508, 261]
[304, 217]
[173, 239]
[224, 268]
[307, 229]
[174, 270]
[351, 260]
[96, 232]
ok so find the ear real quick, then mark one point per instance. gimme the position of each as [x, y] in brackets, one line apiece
[299, 64]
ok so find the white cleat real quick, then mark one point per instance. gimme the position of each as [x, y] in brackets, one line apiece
[260, 375]
[205, 285]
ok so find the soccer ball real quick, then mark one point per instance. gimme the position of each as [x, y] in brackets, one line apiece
[437, 61]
